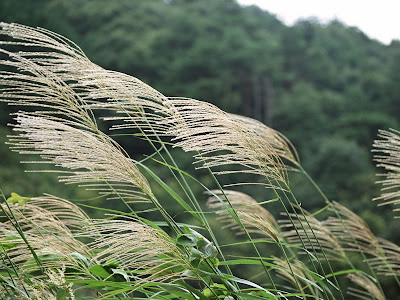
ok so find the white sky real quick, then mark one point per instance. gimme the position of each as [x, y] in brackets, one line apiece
[377, 19]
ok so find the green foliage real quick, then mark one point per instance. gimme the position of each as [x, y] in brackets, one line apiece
[17, 199]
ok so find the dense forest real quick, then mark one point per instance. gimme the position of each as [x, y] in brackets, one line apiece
[327, 87]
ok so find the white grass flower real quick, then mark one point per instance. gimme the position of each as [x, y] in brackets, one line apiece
[355, 235]
[316, 235]
[62, 79]
[368, 287]
[144, 253]
[255, 217]
[389, 159]
[50, 234]
[296, 270]
[86, 158]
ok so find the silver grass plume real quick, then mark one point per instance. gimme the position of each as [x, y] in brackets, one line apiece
[239, 144]
[92, 160]
[389, 263]
[36, 289]
[95, 87]
[248, 146]
[63, 129]
[51, 234]
[255, 217]
[31, 82]
[297, 269]
[353, 232]
[388, 158]
[281, 144]
[67, 212]
[355, 235]
[145, 253]
[368, 287]
[316, 235]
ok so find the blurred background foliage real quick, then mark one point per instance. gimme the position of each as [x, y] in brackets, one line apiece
[328, 88]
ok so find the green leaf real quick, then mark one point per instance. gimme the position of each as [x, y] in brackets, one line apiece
[99, 271]
[17, 199]
[208, 251]
[122, 273]
[187, 239]
[80, 257]
[61, 294]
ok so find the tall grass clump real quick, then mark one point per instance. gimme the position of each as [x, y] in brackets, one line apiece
[140, 248]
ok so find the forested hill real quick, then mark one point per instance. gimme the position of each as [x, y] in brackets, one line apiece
[329, 88]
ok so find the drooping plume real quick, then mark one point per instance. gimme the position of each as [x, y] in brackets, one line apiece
[63, 129]
[316, 235]
[388, 158]
[355, 235]
[368, 288]
[145, 253]
[50, 226]
[253, 216]
[66, 86]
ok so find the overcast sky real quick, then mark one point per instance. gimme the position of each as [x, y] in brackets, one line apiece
[378, 19]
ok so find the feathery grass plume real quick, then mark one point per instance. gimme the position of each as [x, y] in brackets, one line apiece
[36, 289]
[369, 288]
[49, 235]
[90, 84]
[255, 217]
[355, 235]
[31, 82]
[146, 254]
[297, 269]
[281, 144]
[57, 130]
[389, 159]
[315, 236]
[388, 265]
[198, 126]
[94, 160]
[50, 207]
[352, 231]
[222, 139]
[67, 212]
[58, 278]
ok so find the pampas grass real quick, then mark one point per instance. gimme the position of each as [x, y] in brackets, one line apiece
[50, 248]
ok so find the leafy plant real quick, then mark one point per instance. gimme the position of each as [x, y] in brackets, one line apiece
[50, 248]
